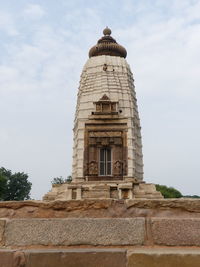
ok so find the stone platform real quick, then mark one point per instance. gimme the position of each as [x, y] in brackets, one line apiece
[126, 189]
[133, 233]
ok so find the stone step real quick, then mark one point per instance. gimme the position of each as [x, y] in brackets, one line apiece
[63, 258]
[165, 257]
[100, 232]
[101, 257]
[72, 232]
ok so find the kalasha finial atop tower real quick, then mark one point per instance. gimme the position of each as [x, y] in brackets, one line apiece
[107, 46]
[107, 31]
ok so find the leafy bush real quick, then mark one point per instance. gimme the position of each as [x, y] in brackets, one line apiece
[168, 192]
[61, 180]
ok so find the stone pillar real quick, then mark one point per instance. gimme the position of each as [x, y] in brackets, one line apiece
[69, 194]
[78, 193]
[130, 194]
[120, 193]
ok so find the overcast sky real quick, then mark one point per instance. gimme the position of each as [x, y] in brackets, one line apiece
[44, 45]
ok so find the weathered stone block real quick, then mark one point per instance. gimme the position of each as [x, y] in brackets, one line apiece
[6, 258]
[2, 227]
[164, 257]
[80, 231]
[77, 257]
[102, 192]
[176, 232]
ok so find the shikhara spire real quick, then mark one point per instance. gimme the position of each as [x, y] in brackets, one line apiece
[107, 45]
[107, 137]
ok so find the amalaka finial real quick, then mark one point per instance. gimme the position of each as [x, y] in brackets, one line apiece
[107, 46]
[107, 31]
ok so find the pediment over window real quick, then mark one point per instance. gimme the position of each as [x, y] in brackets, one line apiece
[105, 106]
[105, 98]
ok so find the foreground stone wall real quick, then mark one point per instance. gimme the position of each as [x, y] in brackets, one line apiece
[102, 233]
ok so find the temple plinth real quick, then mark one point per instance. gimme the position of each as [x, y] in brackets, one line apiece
[107, 150]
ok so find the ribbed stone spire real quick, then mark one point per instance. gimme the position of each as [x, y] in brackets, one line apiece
[107, 46]
[107, 74]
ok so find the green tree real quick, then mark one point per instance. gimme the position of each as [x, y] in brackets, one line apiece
[61, 180]
[14, 186]
[69, 179]
[3, 182]
[168, 192]
[191, 196]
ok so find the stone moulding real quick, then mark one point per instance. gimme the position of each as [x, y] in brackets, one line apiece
[101, 208]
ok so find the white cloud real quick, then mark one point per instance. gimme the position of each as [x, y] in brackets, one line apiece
[34, 11]
[7, 24]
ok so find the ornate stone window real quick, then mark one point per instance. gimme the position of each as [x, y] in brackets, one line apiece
[105, 106]
[105, 162]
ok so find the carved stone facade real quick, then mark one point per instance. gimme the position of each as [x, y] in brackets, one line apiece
[105, 136]
[107, 150]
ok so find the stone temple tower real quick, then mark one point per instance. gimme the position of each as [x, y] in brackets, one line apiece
[107, 149]
[107, 137]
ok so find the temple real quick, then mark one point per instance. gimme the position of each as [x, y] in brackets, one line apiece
[107, 149]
